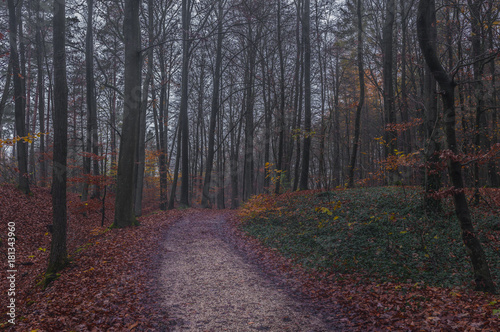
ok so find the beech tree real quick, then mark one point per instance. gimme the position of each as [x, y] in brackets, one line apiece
[58, 250]
[125, 180]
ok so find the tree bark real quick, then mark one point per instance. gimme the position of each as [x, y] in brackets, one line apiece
[41, 92]
[432, 177]
[5, 93]
[183, 113]
[483, 279]
[125, 181]
[281, 121]
[205, 199]
[141, 143]
[390, 136]
[58, 252]
[22, 151]
[304, 174]
[359, 107]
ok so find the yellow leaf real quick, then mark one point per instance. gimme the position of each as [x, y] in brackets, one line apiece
[133, 325]
[336, 217]
[403, 232]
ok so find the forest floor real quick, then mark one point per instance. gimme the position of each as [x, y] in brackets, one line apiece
[211, 283]
[200, 270]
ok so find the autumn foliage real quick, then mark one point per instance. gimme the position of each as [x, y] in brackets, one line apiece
[110, 283]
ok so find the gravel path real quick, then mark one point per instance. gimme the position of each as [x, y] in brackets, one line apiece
[210, 286]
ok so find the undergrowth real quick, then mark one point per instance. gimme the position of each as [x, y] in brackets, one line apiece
[381, 233]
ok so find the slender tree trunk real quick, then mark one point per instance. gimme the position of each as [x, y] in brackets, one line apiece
[432, 177]
[281, 124]
[171, 201]
[41, 92]
[390, 135]
[163, 119]
[141, 147]
[205, 199]
[5, 94]
[304, 174]
[183, 113]
[483, 279]
[58, 257]
[248, 179]
[359, 107]
[233, 153]
[91, 100]
[22, 151]
[125, 182]
[492, 165]
[481, 140]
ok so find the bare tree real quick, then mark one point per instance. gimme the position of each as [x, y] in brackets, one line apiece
[125, 181]
[22, 151]
[304, 175]
[361, 101]
[58, 251]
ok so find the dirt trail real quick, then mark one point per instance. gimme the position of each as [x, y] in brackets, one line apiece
[209, 286]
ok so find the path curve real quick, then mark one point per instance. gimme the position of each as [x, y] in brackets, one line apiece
[210, 286]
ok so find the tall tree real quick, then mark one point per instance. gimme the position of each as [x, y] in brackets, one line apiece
[432, 177]
[389, 112]
[22, 150]
[361, 101]
[125, 181]
[92, 137]
[306, 18]
[58, 257]
[205, 199]
[183, 112]
[483, 279]
[141, 143]
[41, 90]
[281, 118]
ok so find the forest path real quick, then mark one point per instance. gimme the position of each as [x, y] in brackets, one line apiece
[209, 285]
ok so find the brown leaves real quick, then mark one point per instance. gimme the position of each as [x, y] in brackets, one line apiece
[110, 284]
[367, 305]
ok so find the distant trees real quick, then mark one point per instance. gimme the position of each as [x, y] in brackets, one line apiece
[19, 97]
[248, 97]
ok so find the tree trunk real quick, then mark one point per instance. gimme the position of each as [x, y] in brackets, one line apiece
[41, 92]
[141, 147]
[359, 107]
[183, 113]
[22, 151]
[248, 171]
[171, 202]
[390, 136]
[432, 177]
[163, 126]
[205, 199]
[281, 123]
[91, 145]
[125, 181]
[304, 174]
[58, 252]
[483, 279]
[5, 93]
